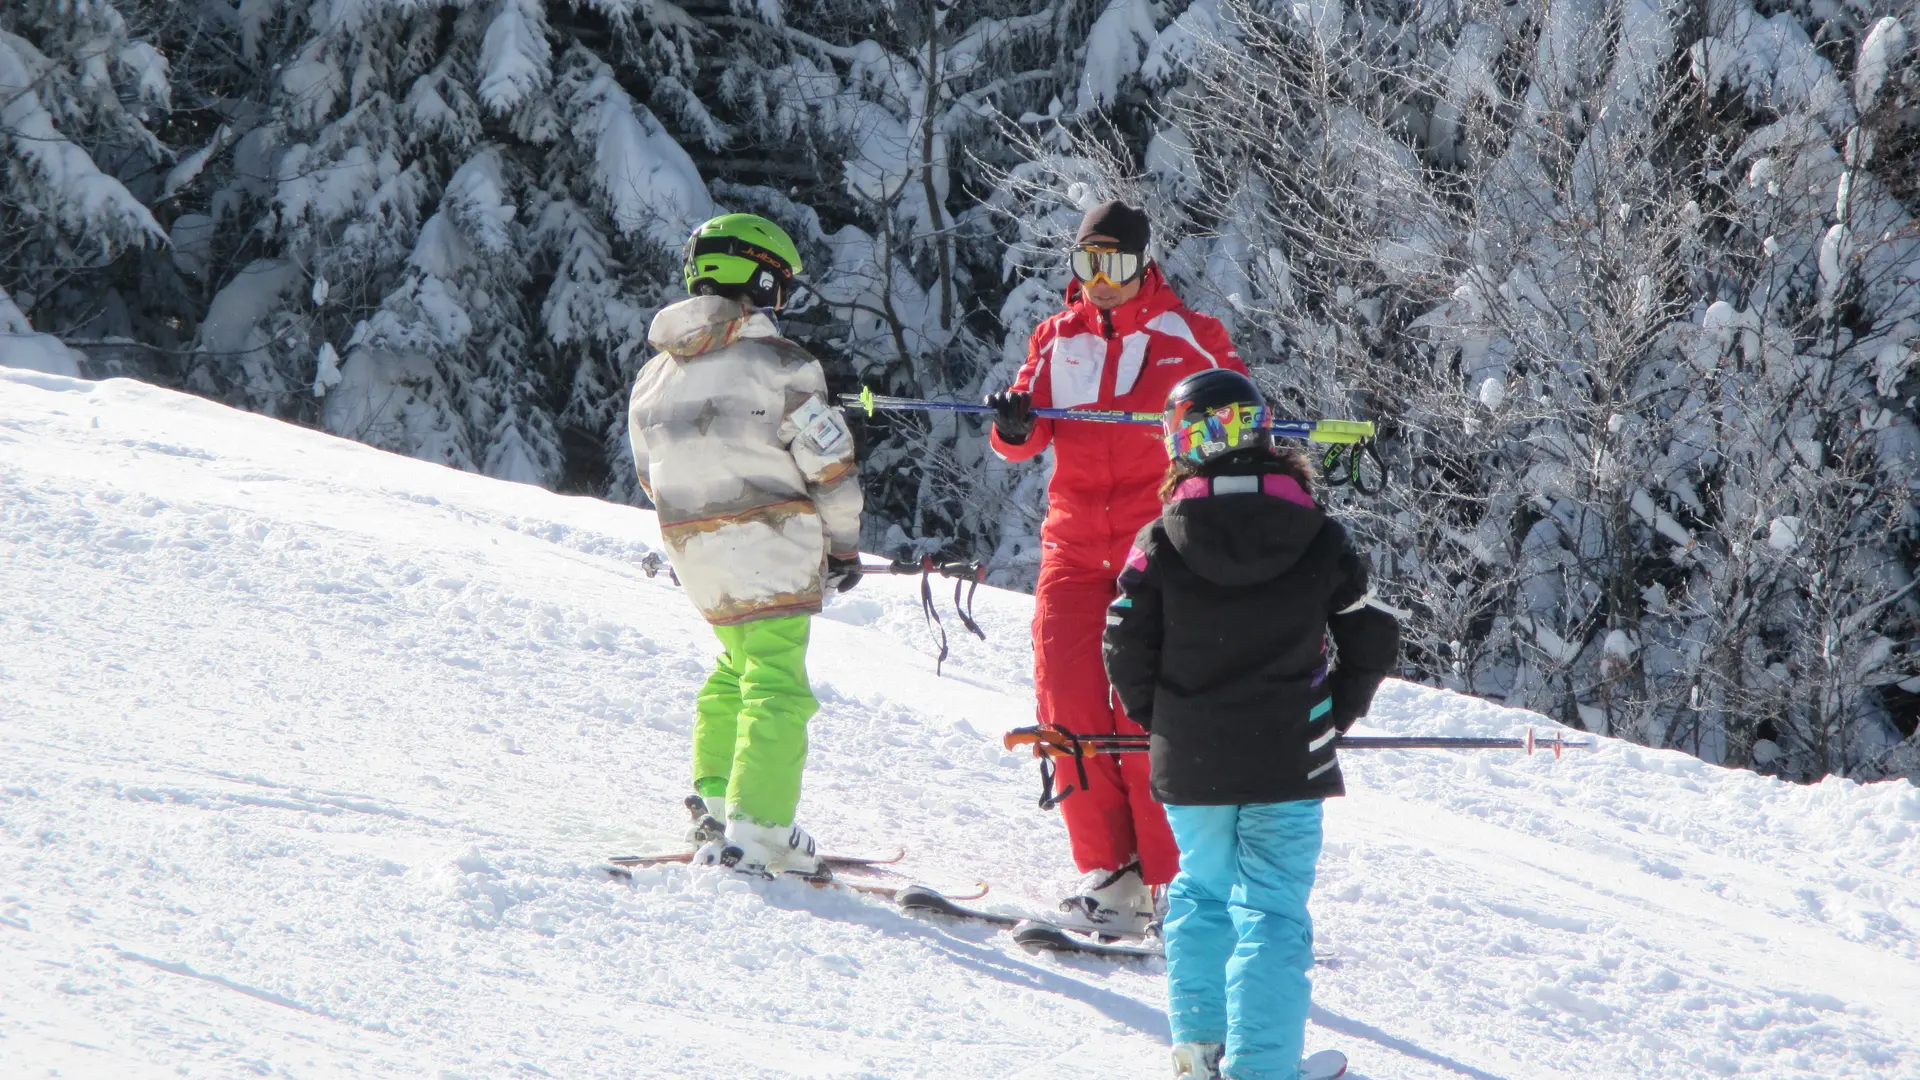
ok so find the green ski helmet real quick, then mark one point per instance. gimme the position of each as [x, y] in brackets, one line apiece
[741, 255]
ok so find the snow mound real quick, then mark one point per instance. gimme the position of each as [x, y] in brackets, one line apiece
[41, 353]
[309, 755]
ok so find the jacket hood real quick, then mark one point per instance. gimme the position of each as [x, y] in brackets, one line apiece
[702, 324]
[1155, 298]
[1252, 528]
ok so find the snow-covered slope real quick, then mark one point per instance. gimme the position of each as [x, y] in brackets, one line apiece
[308, 753]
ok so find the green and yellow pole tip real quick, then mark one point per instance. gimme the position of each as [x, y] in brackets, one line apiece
[1341, 431]
[866, 399]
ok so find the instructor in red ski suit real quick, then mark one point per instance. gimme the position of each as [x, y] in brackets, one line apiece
[1122, 342]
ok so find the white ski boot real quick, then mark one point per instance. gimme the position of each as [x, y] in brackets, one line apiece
[1325, 1065]
[1201, 1061]
[709, 819]
[1197, 1061]
[1111, 902]
[768, 849]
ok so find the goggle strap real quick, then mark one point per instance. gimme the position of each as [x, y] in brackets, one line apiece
[733, 245]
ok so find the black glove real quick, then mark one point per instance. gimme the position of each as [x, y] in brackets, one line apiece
[1012, 415]
[843, 572]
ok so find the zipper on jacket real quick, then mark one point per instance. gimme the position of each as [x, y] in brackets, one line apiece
[1106, 324]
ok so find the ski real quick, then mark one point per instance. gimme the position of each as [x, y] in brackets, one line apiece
[922, 900]
[825, 880]
[1045, 937]
[842, 861]
[919, 898]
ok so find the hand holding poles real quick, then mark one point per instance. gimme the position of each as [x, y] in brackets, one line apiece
[843, 572]
[1012, 414]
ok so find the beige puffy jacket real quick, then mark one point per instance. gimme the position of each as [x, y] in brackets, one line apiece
[750, 467]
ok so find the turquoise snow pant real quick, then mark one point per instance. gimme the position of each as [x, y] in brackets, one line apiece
[1239, 940]
[750, 723]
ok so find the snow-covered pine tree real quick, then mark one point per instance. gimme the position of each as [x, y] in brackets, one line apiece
[465, 212]
[78, 89]
[898, 110]
[1632, 282]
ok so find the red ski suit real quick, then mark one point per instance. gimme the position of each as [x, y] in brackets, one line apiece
[1105, 487]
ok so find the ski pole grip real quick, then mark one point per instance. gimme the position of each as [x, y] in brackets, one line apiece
[1047, 741]
[1340, 431]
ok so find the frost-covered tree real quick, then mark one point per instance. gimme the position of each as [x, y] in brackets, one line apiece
[903, 108]
[1630, 284]
[388, 135]
[78, 90]
[462, 218]
[1628, 287]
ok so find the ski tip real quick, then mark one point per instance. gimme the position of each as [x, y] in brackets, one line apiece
[1041, 937]
[652, 860]
[898, 855]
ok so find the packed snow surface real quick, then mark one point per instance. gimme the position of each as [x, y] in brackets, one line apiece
[309, 755]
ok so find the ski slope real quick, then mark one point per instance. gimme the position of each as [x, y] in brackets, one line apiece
[308, 754]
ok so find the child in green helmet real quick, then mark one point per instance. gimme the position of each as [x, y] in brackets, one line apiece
[753, 475]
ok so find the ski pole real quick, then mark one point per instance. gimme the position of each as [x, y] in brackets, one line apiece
[1321, 431]
[1056, 741]
[1348, 441]
[965, 576]
[1049, 742]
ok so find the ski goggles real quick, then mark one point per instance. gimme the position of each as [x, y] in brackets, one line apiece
[1114, 267]
[1198, 437]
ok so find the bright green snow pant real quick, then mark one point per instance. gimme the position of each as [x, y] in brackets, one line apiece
[750, 728]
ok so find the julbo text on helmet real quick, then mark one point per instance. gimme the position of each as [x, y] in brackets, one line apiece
[741, 255]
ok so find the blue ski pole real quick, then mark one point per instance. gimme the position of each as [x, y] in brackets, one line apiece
[1346, 439]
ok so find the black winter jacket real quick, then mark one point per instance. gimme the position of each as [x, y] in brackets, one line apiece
[1217, 642]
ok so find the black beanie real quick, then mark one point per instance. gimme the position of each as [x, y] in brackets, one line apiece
[1128, 226]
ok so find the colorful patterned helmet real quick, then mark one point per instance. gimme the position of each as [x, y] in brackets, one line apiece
[1214, 413]
[741, 254]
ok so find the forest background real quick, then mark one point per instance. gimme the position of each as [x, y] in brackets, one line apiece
[1631, 286]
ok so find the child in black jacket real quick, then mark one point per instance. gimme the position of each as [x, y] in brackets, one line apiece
[1217, 646]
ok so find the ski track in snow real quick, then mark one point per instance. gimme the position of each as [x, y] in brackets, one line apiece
[309, 753]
